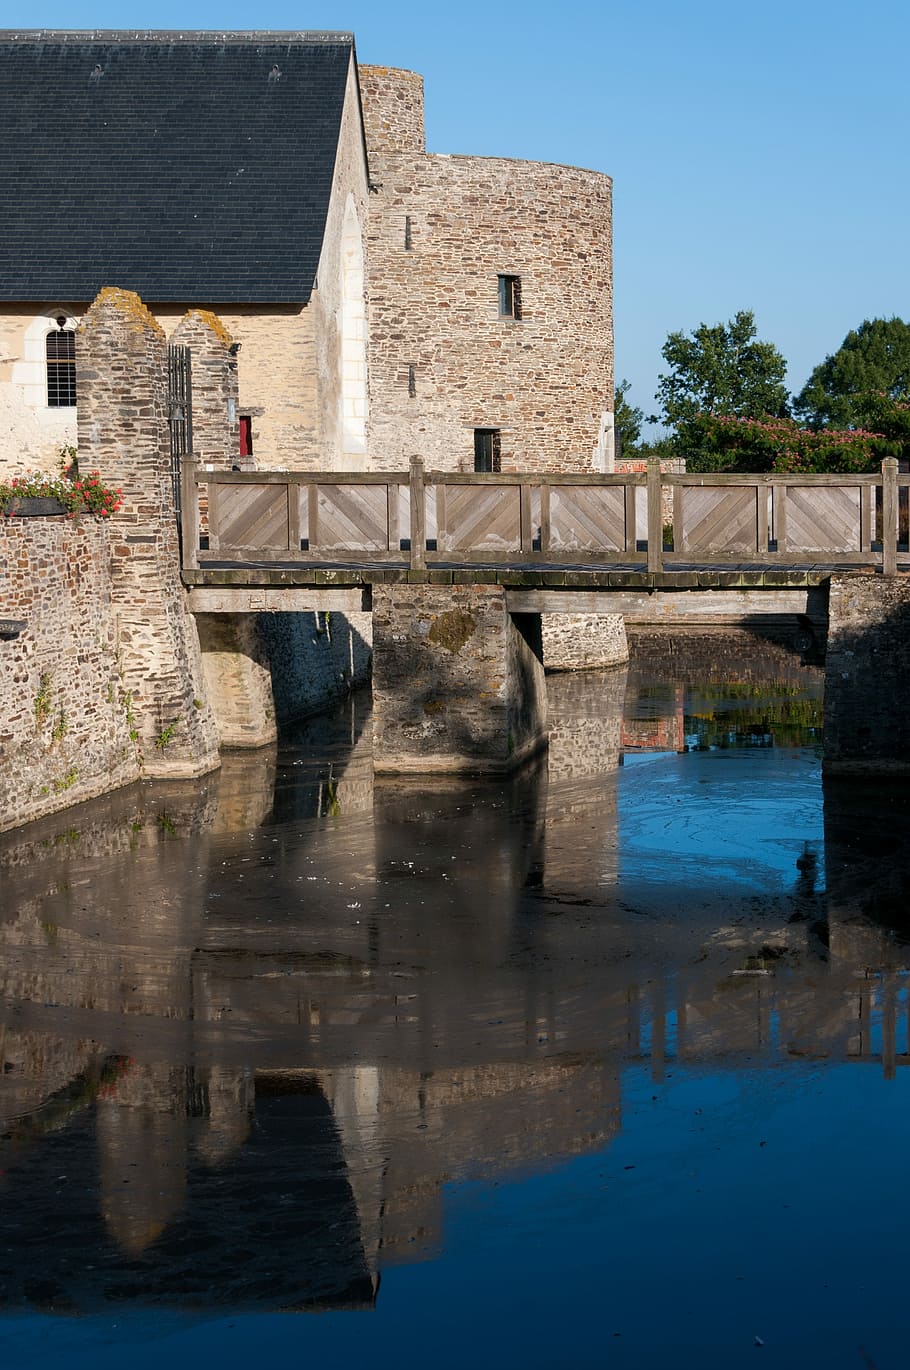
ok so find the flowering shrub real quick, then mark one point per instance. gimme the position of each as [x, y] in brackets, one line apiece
[727, 443]
[78, 494]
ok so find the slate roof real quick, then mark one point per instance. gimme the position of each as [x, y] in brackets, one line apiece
[190, 167]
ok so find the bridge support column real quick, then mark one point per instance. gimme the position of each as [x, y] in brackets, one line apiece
[238, 680]
[458, 682]
[867, 722]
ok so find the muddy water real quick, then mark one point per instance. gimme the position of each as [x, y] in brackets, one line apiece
[598, 1067]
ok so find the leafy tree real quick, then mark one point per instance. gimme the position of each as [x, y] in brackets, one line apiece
[845, 390]
[721, 369]
[627, 422]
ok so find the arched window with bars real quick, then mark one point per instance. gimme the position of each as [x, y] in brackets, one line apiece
[60, 352]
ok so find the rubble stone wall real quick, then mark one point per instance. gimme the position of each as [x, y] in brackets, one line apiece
[122, 381]
[64, 726]
[443, 360]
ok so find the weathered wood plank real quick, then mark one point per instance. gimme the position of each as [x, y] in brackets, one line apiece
[655, 516]
[418, 515]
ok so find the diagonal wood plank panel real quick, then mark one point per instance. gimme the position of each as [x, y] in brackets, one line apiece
[483, 518]
[720, 520]
[587, 520]
[823, 519]
[352, 518]
[253, 516]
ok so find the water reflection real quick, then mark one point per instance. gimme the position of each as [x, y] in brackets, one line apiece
[252, 1028]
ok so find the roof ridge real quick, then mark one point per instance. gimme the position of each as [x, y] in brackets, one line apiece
[213, 36]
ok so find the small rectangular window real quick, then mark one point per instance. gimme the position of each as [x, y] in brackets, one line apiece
[487, 449]
[510, 297]
[408, 242]
[412, 380]
[246, 435]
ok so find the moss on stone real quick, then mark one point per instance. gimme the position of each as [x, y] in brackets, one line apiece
[126, 302]
[453, 629]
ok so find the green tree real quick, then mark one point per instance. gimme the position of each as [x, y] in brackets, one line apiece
[845, 390]
[721, 369]
[627, 422]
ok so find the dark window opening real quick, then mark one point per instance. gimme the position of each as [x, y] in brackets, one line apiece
[487, 449]
[60, 350]
[510, 297]
[412, 380]
[408, 242]
[246, 435]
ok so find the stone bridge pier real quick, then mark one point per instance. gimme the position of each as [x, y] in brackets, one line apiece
[458, 681]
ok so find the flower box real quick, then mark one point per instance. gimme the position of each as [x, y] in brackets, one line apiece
[33, 506]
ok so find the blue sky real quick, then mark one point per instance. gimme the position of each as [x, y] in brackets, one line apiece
[759, 152]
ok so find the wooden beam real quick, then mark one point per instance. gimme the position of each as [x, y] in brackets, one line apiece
[300, 599]
[666, 606]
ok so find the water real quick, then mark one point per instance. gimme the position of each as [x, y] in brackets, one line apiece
[598, 1067]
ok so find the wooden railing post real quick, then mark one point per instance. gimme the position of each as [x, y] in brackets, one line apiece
[189, 513]
[418, 516]
[655, 517]
[889, 516]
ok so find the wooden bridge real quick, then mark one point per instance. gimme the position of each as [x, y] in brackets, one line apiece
[458, 568]
[434, 525]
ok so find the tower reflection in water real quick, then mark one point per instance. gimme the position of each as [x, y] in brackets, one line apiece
[252, 1027]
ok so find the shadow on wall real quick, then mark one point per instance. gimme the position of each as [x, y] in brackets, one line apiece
[867, 723]
[316, 659]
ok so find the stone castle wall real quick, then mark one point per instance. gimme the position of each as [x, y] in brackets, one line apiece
[64, 729]
[443, 361]
[392, 101]
[122, 415]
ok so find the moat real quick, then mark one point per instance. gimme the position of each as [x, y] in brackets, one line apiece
[600, 1066]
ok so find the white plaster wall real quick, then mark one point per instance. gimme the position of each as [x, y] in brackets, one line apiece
[31, 433]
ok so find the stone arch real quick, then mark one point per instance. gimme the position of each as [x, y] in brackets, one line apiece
[353, 342]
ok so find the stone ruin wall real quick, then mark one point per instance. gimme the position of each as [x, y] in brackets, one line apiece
[441, 231]
[64, 730]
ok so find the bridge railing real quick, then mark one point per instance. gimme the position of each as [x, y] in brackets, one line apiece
[650, 519]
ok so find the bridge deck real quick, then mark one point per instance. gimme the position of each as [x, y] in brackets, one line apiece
[338, 573]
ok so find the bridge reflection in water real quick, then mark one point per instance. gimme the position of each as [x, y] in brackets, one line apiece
[252, 1026]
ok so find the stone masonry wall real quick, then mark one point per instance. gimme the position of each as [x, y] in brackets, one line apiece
[583, 642]
[315, 659]
[64, 730]
[216, 426]
[392, 109]
[442, 230]
[867, 726]
[122, 415]
[458, 682]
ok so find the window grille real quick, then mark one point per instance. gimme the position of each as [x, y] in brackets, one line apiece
[60, 352]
